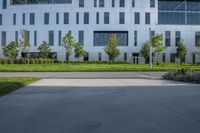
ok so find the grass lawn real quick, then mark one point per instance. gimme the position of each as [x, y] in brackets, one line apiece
[8, 85]
[80, 67]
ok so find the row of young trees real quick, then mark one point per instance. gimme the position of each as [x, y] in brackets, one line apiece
[156, 42]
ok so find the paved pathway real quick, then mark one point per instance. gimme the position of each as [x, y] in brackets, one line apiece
[102, 106]
[84, 74]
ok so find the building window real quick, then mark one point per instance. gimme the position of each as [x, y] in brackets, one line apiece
[3, 38]
[101, 37]
[106, 17]
[4, 4]
[51, 38]
[86, 17]
[133, 3]
[135, 38]
[178, 37]
[113, 3]
[197, 38]
[32, 18]
[81, 3]
[23, 18]
[14, 19]
[97, 18]
[1, 19]
[121, 3]
[46, 18]
[81, 37]
[147, 18]
[66, 18]
[28, 36]
[77, 18]
[125, 56]
[153, 33]
[95, 3]
[59, 38]
[100, 56]
[57, 18]
[172, 57]
[16, 36]
[35, 38]
[101, 3]
[137, 18]
[167, 38]
[121, 18]
[152, 3]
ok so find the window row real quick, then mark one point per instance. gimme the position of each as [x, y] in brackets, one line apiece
[86, 18]
[97, 3]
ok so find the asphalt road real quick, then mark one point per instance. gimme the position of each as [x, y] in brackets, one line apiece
[102, 106]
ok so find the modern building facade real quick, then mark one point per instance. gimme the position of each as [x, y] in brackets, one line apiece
[92, 21]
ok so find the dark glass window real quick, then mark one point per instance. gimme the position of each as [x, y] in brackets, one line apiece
[172, 57]
[66, 18]
[86, 17]
[77, 18]
[121, 18]
[100, 56]
[178, 37]
[113, 3]
[81, 37]
[133, 3]
[51, 38]
[125, 56]
[121, 3]
[137, 18]
[35, 38]
[32, 18]
[147, 18]
[167, 38]
[46, 18]
[3, 38]
[81, 3]
[197, 37]
[101, 37]
[97, 18]
[1, 19]
[59, 38]
[101, 3]
[16, 36]
[57, 18]
[106, 17]
[153, 33]
[14, 19]
[16, 2]
[4, 4]
[23, 18]
[152, 3]
[95, 3]
[135, 38]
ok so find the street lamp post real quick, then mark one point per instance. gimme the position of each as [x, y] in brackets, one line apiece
[150, 50]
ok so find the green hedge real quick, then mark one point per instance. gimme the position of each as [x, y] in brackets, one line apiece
[27, 61]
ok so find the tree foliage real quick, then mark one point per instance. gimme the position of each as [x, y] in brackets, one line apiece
[111, 48]
[69, 43]
[11, 50]
[197, 51]
[79, 52]
[24, 44]
[145, 50]
[44, 49]
[181, 50]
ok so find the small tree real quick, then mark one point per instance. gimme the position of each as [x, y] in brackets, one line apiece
[197, 51]
[145, 51]
[111, 48]
[11, 50]
[79, 52]
[158, 45]
[24, 42]
[68, 42]
[181, 51]
[44, 49]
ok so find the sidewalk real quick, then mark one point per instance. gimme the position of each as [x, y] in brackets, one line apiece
[87, 75]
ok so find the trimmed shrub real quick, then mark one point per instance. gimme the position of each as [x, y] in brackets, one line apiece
[10, 61]
[185, 75]
[32, 61]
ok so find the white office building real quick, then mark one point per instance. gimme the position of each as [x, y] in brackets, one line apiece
[92, 21]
